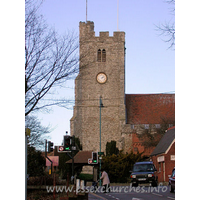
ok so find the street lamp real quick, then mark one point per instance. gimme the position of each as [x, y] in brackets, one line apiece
[100, 106]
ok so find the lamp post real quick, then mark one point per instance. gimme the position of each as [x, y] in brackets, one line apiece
[100, 106]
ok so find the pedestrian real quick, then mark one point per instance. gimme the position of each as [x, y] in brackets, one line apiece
[106, 181]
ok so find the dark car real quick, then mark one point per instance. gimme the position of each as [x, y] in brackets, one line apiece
[172, 181]
[144, 172]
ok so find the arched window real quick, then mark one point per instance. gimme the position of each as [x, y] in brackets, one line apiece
[99, 55]
[103, 55]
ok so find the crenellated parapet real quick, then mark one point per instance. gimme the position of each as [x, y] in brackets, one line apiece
[86, 31]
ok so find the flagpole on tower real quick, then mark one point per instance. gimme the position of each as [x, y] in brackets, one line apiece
[117, 15]
[86, 11]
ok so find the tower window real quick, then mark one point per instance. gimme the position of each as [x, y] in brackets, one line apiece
[101, 55]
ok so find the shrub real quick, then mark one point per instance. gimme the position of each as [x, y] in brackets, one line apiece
[118, 166]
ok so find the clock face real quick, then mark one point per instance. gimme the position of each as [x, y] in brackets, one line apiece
[101, 77]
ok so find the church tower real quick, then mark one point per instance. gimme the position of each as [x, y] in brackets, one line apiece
[101, 74]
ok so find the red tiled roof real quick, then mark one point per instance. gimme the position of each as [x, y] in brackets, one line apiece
[150, 108]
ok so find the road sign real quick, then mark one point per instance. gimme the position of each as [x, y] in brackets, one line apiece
[62, 150]
[100, 153]
[90, 161]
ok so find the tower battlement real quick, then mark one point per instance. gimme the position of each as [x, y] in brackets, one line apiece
[86, 30]
[88, 26]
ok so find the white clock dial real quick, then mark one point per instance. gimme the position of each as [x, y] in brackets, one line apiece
[101, 77]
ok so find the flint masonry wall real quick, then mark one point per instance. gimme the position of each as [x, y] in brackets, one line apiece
[85, 120]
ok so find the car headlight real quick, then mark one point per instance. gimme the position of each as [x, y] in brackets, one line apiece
[133, 176]
[149, 175]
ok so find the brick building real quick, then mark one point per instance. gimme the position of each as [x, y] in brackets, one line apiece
[149, 113]
[124, 117]
[163, 155]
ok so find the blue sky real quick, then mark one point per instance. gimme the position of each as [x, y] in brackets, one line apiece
[150, 65]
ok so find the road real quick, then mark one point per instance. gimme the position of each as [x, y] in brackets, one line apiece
[139, 193]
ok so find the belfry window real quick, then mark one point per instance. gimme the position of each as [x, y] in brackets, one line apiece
[101, 55]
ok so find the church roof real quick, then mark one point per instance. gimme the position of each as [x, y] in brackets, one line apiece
[150, 108]
[165, 143]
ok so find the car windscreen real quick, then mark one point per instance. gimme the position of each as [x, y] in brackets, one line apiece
[143, 168]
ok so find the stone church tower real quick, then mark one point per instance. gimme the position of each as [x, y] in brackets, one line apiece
[101, 74]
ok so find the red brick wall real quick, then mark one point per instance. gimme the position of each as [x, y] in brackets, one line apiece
[137, 143]
[150, 108]
[169, 164]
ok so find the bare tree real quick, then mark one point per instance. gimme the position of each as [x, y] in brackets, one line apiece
[150, 137]
[38, 132]
[50, 60]
[167, 29]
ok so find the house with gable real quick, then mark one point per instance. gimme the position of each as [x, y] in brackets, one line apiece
[163, 155]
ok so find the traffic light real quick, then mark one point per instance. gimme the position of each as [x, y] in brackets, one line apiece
[67, 143]
[94, 157]
[50, 146]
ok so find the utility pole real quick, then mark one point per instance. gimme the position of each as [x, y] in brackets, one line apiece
[73, 149]
[100, 106]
